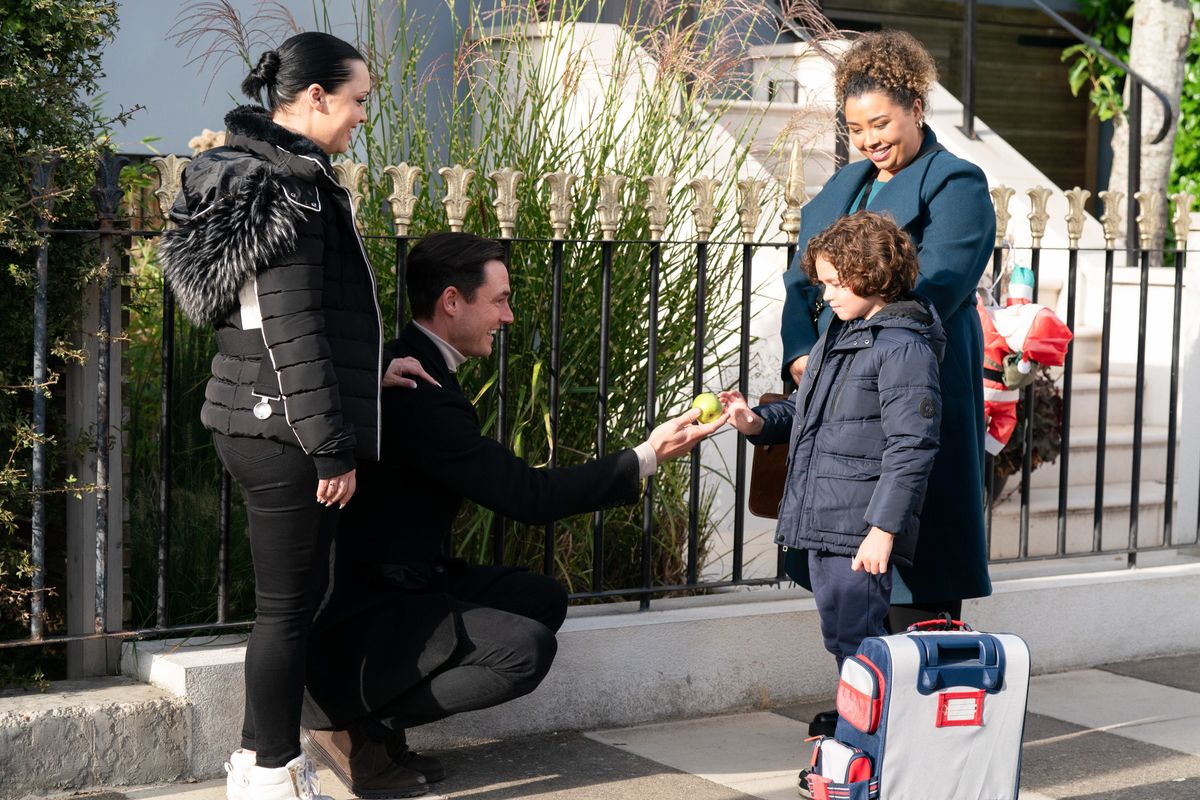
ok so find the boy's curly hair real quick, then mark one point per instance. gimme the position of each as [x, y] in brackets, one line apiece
[870, 252]
[889, 61]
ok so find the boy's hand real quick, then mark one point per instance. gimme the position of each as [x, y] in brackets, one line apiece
[740, 415]
[874, 553]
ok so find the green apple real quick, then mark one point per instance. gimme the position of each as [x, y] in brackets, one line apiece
[709, 405]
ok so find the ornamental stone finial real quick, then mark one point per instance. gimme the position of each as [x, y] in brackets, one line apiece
[350, 175]
[609, 207]
[1001, 195]
[41, 178]
[1183, 218]
[793, 191]
[458, 180]
[403, 198]
[106, 193]
[170, 181]
[705, 210]
[1149, 225]
[749, 206]
[561, 184]
[1038, 216]
[1075, 215]
[1111, 219]
[506, 202]
[207, 140]
[658, 202]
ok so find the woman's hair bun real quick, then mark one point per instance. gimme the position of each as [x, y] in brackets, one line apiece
[891, 61]
[262, 76]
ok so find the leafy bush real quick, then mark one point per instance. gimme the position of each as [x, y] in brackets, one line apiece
[1111, 22]
[51, 52]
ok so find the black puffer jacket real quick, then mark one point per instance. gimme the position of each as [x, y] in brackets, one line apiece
[265, 249]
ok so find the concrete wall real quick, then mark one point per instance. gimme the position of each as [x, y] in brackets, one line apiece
[730, 652]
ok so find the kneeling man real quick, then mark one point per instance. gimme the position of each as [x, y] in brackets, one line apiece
[409, 635]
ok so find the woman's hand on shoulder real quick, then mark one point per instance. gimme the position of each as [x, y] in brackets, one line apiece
[398, 368]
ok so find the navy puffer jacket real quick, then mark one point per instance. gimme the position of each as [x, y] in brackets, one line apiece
[863, 427]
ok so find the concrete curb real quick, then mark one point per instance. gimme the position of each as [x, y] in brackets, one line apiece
[104, 731]
[717, 654]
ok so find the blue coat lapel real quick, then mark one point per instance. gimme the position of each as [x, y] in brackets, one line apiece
[900, 197]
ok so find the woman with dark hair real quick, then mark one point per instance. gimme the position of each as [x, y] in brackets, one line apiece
[882, 83]
[266, 251]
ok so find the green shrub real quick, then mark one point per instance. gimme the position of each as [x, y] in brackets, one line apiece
[51, 52]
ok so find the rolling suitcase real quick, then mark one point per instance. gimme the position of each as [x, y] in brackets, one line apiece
[927, 715]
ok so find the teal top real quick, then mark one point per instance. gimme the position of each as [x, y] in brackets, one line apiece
[875, 187]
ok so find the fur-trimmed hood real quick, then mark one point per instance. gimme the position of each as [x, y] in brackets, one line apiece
[238, 209]
[264, 249]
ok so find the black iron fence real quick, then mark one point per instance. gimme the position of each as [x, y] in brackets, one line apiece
[697, 253]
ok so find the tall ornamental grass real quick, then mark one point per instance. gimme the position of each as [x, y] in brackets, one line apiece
[524, 88]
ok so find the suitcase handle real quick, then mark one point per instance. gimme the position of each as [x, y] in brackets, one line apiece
[974, 660]
[942, 623]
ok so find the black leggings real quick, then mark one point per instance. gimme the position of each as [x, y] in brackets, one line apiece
[290, 534]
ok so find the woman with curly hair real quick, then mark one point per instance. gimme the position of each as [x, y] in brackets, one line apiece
[882, 83]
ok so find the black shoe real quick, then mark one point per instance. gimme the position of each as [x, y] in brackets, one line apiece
[802, 780]
[430, 767]
[823, 724]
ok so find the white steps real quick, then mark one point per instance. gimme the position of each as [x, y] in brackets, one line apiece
[1080, 518]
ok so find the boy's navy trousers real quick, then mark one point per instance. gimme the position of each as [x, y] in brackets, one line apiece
[852, 605]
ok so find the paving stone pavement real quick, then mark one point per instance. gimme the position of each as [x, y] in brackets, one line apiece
[1118, 732]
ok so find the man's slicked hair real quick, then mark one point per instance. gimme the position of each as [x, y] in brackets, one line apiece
[442, 260]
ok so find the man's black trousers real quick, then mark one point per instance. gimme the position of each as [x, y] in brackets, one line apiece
[506, 625]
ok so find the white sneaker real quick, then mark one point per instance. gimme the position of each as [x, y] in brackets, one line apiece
[297, 780]
[237, 774]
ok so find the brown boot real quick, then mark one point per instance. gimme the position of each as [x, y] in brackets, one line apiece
[363, 764]
[430, 767]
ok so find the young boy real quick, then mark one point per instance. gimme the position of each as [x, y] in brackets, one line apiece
[863, 426]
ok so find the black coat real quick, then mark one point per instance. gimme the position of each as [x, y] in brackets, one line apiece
[263, 230]
[388, 621]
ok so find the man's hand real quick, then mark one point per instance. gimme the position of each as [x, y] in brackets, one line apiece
[678, 436]
[796, 369]
[399, 367]
[336, 490]
[740, 415]
[874, 553]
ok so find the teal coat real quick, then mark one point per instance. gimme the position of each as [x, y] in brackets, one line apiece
[942, 202]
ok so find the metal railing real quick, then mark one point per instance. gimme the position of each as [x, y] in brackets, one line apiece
[110, 236]
[1137, 83]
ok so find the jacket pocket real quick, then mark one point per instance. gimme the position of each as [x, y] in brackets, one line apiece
[251, 451]
[841, 491]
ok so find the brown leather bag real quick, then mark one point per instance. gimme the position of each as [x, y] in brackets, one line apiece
[768, 472]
